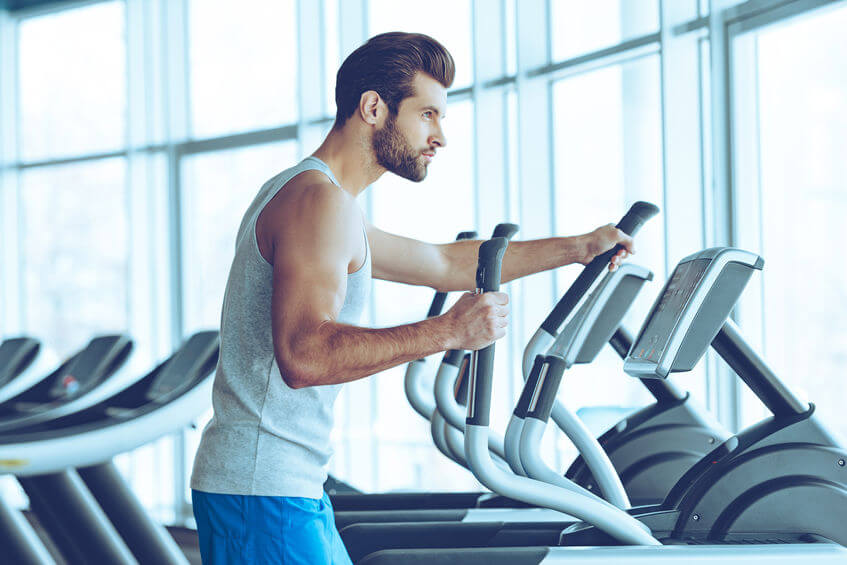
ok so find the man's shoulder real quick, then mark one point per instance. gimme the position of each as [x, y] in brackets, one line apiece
[307, 202]
[310, 193]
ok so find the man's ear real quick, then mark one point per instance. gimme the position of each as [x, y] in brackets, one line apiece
[371, 107]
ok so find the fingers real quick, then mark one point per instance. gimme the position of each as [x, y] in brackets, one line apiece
[499, 309]
[626, 242]
[497, 301]
[618, 259]
[498, 297]
[480, 319]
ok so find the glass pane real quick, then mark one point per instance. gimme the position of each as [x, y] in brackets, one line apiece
[582, 27]
[75, 252]
[448, 21]
[217, 189]
[332, 53]
[72, 90]
[243, 65]
[511, 39]
[798, 92]
[607, 145]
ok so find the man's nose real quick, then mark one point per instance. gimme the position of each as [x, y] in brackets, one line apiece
[438, 139]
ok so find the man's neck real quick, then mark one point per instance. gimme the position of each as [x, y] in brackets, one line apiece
[349, 155]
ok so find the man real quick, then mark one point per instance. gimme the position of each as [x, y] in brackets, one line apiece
[299, 280]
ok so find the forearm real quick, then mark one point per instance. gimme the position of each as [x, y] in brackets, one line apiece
[522, 258]
[336, 353]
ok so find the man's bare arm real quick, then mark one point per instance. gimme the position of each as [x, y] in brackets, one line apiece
[312, 251]
[451, 266]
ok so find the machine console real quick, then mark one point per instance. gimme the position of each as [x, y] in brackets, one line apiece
[691, 309]
[15, 356]
[193, 361]
[98, 361]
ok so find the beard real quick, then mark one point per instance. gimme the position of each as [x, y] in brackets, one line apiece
[394, 153]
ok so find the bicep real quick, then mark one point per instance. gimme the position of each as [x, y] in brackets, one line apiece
[305, 292]
[310, 260]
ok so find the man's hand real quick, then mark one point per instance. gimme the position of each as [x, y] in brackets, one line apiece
[604, 238]
[477, 320]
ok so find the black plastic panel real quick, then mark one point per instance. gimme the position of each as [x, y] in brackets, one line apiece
[185, 367]
[99, 360]
[16, 355]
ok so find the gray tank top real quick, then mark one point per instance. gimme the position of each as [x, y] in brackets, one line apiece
[264, 437]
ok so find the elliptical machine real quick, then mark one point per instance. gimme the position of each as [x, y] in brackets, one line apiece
[776, 492]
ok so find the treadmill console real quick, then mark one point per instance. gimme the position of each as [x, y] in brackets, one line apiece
[690, 311]
[191, 363]
[15, 356]
[86, 370]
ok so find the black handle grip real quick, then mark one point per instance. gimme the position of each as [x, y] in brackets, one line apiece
[528, 387]
[638, 213]
[441, 297]
[488, 280]
[490, 263]
[635, 217]
[549, 389]
[506, 230]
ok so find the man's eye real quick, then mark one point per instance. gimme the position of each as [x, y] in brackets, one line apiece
[428, 115]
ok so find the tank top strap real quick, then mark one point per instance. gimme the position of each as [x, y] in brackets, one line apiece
[324, 168]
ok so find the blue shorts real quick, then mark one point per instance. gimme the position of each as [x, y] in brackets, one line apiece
[282, 530]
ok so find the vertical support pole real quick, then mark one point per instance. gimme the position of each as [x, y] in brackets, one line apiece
[723, 233]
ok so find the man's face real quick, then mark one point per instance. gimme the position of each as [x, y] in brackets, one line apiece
[406, 143]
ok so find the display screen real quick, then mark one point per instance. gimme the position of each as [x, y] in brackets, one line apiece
[666, 313]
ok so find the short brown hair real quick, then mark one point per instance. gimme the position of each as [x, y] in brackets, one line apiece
[387, 64]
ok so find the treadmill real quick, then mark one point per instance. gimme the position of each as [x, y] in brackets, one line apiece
[83, 380]
[23, 546]
[78, 382]
[93, 501]
[17, 356]
[774, 493]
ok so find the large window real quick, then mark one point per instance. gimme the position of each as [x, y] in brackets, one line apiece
[791, 114]
[74, 218]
